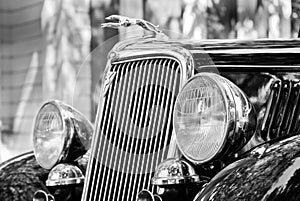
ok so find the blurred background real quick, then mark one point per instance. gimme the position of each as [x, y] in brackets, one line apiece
[45, 47]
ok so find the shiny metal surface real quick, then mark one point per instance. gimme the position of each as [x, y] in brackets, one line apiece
[240, 122]
[78, 132]
[249, 55]
[17, 159]
[65, 174]
[275, 97]
[190, 56]
[41, 195]
[145, 195]
[174, 171]
[21, 177]
[271, 175]
[118, 21]
[134, 126]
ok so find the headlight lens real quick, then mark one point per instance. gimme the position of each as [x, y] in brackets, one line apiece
[49, 134]
[209, 109]
[61, 134]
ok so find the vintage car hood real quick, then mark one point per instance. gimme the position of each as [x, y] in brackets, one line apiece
[221, 52]
[273, 174]
[257, 52]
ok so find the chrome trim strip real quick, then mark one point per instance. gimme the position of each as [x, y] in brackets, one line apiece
[16, 159]
[181, 55]
[252, 68]
[295, 100]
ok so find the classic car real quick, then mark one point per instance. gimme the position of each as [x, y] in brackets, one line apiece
[176, 120]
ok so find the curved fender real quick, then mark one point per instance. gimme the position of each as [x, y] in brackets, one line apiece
[20, 177]
[272, 175]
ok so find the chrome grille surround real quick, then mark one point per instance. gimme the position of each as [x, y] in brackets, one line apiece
[121, 180]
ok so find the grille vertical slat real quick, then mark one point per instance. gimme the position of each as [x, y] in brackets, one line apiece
[139, 183]
[282, 110]
[103, 171]
[156, 65]
[173, 86]
[94, 151]
[145, 104]
[111, 174]
[128, 98]
[134, 129]
[122, 176]
[276, 127]
[271, 109]
[133, 177]
[160, 116]
[295, 103]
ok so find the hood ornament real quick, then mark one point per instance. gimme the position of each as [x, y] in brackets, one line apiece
[121, 21]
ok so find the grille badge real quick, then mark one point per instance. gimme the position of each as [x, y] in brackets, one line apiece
[109, 78]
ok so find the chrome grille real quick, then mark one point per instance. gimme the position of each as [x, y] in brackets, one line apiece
[134, 128]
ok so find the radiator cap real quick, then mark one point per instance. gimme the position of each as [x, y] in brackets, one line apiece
[175, 171]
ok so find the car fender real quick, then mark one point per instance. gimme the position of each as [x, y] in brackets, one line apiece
[20, 177]
[273, 174]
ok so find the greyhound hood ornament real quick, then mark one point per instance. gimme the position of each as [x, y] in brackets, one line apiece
[117, 21]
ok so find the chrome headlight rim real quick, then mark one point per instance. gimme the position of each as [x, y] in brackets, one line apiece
[237, 105]
[68, 131]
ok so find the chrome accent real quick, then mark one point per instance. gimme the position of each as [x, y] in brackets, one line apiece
[82, 162]
[282, 114]
[259, 151]
[64, 174]
[41, 195]
[145, 195]
[241, 117]
[252, 68]
[110, 76]
[131, 70]
[182, 56]
[118, 21]
[16, 159]
[174, 171]
[79, 132]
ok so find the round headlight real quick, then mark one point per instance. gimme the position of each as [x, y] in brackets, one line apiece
[211, 117]
[55, 126]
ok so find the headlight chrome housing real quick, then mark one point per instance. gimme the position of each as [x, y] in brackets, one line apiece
[60, 133]
[174, 171]
[64, 174]
[212, 117]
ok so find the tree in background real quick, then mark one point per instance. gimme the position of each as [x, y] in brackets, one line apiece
[99, 10]
[295, 18]
[67, 76]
